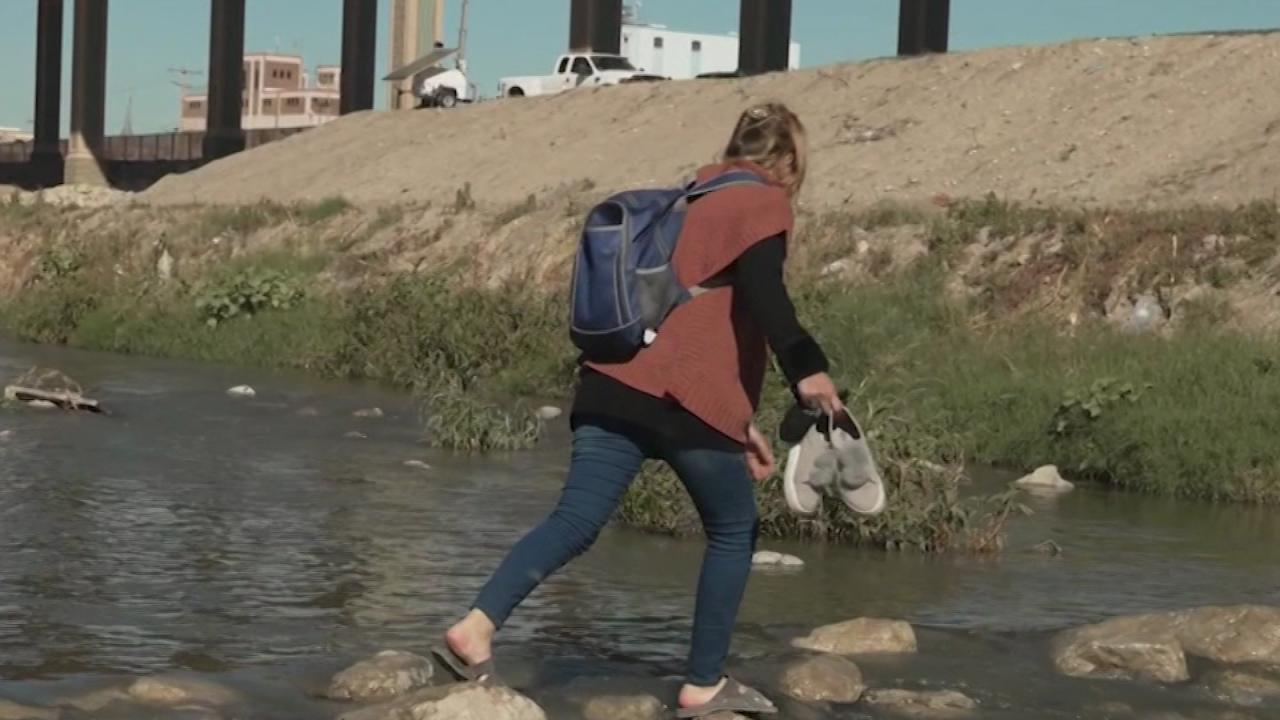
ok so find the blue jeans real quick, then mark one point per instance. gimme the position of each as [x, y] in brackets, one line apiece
[606, 458]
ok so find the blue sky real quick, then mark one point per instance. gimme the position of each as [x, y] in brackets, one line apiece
[509, 37]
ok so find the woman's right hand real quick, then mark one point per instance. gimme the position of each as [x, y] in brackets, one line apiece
[818, 391]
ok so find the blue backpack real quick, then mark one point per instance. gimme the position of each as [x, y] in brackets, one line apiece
[623, 283]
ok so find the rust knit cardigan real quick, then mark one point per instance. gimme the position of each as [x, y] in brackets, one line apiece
[707, 357]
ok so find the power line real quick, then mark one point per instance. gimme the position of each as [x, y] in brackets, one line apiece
[184, 87]
[184, 73]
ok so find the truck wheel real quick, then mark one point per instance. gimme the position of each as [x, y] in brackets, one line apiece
[447, 98]
[515, 92]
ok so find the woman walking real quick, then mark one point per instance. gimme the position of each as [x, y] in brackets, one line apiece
[687, 399]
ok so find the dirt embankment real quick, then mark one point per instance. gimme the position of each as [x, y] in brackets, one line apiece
[1160, 125]
[1114, 122]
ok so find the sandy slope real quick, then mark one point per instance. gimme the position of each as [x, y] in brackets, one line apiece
[1148, 120]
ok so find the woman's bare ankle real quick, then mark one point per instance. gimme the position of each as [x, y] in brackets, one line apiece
[471, 638]
[692, 696]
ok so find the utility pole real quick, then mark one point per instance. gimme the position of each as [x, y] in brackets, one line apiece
[184, 86]
[462, 37]
[126, 126]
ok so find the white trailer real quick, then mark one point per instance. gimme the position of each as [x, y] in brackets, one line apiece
[680, 55]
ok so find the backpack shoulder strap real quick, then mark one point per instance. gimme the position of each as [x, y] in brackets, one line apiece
[721, 181]
[695, 190]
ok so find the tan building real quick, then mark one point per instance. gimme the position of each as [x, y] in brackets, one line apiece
[417, 26]
[14, 135]
[278, 93]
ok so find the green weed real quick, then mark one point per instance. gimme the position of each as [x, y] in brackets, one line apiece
[246, 294]
[458, 420]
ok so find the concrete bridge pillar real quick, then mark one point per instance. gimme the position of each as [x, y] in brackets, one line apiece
[595, 26]
[46, 150]
[924, 26]
[88, 94]
[223, 133]
[764, 36]
[359, 48]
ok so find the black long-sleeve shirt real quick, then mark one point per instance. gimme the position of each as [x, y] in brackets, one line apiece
[757, 278]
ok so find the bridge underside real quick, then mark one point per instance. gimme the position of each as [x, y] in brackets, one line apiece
[83, 161]
[764, 29]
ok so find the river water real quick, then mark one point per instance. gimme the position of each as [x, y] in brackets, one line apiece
[255, 537]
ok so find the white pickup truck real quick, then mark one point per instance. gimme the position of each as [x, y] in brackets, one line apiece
[576, 70]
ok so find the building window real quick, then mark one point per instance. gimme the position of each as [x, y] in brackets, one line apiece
[657, 43]
[697, 46]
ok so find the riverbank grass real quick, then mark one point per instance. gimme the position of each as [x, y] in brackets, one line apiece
[941, 376]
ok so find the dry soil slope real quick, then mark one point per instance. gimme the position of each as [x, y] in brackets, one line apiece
[1147, 120]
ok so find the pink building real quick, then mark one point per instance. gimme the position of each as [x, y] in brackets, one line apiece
[278, 93]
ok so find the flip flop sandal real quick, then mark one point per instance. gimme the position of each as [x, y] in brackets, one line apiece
[482, 673]
[734, 697]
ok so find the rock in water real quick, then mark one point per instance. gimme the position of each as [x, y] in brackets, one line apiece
[1045, 478]
[368, 413]
[823, 678]
[770, 558]
[1244, 688]
[388, 674]
[13, 711]
[607, 698]
[860, 636]
[467, 701]
[766, 557]
[176, 689]
[1153, 646]
[624, 707]
[1133, 647]
[241, 391]
[926, 704]
[548, 412]
[1230, 635]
